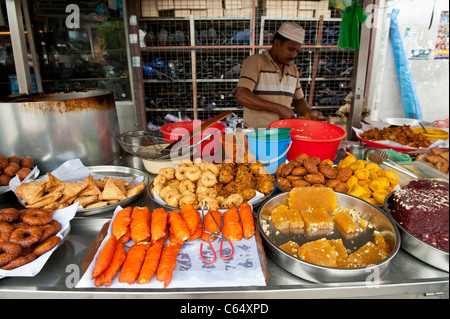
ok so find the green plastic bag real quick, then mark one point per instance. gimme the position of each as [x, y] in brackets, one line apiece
[352, 19]
[340, 4]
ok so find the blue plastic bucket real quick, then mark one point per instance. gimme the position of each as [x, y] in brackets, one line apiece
[271, 152]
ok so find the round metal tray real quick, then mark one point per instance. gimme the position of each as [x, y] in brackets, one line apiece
[115, 171]
[416, 247]
[316, 273]
[167, 207]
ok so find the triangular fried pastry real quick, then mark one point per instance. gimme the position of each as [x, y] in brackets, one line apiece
[121, 184]
[111, 191]
[91, 189]
[29, 192]
[71, 191]
[45, 200]
[86, 200]
[97, 205]
[51, 183]
[135, 189]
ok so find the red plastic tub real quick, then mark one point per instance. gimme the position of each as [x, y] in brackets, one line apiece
[313, 138]
[211, 147]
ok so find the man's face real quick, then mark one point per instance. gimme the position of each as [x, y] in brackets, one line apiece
[285, 52]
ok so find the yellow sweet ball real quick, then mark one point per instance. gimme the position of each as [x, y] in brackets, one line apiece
[358, 165]
[362, 173]
[352, 181]
[380, 195]
[379, 183]
[392, 176]
[347, 161]
[373, 167]
[357, 191]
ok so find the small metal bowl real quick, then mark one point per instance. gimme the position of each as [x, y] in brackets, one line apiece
[316, 273]
[413, 245]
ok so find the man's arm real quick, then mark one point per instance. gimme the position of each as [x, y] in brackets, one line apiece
[302, 108]
[246, 98]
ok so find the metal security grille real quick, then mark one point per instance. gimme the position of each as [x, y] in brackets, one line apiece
[191, 62]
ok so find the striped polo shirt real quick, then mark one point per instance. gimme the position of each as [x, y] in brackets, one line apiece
[261, 75]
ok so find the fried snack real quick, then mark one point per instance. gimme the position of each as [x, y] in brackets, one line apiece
[401, 134]
[113, 190]
[167, 263]
[151, 262]
[105, 257]
[213, 223]
[140, 224]
[118, 258]
[121, 222]
[158, 224]
[178, 226]
[247, 220]
[199, 228]
[232, 229]
[133, 262]
[191, 217]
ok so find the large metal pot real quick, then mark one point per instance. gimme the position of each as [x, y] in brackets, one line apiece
[55, 127]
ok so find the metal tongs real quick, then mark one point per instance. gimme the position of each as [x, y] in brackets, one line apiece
[217, 234]
[381, 157]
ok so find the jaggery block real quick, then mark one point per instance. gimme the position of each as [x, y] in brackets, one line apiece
[345, 222]
[341, 251]
[317, 219]
[285, 219]
[381, 242]
[366, 255]
[303, 198]
[291, 248]
[319, 252]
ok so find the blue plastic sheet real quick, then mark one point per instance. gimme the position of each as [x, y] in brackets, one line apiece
[408, 91]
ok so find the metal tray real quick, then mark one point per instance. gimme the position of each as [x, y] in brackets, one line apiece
[255, 205]
[419, 249]
[115, 171]
[316, 273]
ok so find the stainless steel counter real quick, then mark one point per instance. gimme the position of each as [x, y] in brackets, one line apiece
[408, 277]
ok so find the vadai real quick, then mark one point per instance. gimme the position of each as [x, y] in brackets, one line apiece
[37, 217]
[213, 168]
[167, 172]
[20, 261]
[208, 179]
[8, 215]
[26, 236]
[187, 185]
[188, 199]
[8, 252]
[180, 172]
[172, 197]
[160, 179]
[234, 200]
[47, 231]
[193, 173]
[57, 226]
[47, 245]
[5, 231]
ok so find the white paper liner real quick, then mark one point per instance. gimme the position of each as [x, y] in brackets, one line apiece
[243, 269]
[63, 216]
[69, 171]
[438, 143]
[30, 176]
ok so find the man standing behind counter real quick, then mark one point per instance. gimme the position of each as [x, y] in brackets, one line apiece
[269, 83]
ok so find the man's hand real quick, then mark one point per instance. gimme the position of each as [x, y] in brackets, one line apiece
[315, 114]
[285, 113]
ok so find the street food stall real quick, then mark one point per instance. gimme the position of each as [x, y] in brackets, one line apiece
[94, 206]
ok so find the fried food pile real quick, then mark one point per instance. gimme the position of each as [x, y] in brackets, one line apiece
[13, 165]
[359, 178]
[436, 158]
[401, 134]
[222, 186]
[54, 194]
